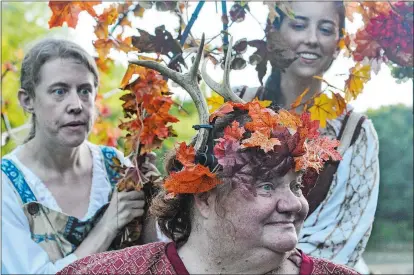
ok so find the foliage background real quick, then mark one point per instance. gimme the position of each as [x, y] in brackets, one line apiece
[24, 23]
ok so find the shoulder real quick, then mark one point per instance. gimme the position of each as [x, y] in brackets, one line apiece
[109, 152]
[322, 266]
[132, 260]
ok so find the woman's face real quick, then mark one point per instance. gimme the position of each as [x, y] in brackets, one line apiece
[64, 102]
[271, 220]
[313, 35]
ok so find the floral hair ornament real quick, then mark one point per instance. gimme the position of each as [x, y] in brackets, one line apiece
[268, 130]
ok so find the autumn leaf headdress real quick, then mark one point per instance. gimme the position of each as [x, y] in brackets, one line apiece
[269, 131]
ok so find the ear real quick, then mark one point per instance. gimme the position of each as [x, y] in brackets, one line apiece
[26, 101]
[205, 203]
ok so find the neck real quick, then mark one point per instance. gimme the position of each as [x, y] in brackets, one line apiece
[54, 156]
[204, 255]
[293, 86]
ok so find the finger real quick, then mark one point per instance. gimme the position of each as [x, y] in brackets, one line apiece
[131, 195]
[136, 204]
[137, 213]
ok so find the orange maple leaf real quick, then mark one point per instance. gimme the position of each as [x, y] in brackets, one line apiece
[103, 46]
[317, 151]
[299, 99]
[108, 17]
[104, 64]
[226, 108]
[286, 119]
[131, 70]
[263, 119]
[322, 109]
[154, 126]
[68, 11]
[359, 75]
[339, 103]
[259, 139]
[233, 131]
[191, 180]
[185, 154]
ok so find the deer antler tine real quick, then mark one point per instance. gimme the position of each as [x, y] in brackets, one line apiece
[209, 81]
[227, 64]
[194, 68]
[173, 75]
[223, 89]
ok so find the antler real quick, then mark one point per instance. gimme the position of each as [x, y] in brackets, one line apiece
[189, 82]
[223, 89]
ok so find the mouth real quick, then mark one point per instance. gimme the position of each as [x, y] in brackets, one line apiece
[75, 124]
[309, 56]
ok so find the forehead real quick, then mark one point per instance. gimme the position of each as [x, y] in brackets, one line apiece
[68, 71]
[316, 10]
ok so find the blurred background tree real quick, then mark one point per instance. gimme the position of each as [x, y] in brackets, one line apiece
[394, 216]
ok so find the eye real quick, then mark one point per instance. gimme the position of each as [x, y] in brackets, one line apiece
[297, 26]
[326, 30]
[296, 187]
[265, 189]
[59, 91]
[85, 91]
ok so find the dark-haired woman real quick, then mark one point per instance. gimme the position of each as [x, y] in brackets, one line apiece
[344, 200]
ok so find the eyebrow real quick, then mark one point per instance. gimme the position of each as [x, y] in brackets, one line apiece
[60, 84]
[65, 85]
[323, 21]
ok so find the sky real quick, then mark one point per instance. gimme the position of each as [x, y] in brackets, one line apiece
[381, 90]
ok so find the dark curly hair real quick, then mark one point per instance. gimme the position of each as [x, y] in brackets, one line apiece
[175, 215]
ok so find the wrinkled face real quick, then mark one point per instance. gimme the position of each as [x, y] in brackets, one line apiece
[64, 102]
[271, 220]
[313, 35]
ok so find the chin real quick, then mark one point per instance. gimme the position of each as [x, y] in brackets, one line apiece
[283, 243]
[72, 141]
[306, 72]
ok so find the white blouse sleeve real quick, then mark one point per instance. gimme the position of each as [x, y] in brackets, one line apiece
[21, 255]
[340, 227]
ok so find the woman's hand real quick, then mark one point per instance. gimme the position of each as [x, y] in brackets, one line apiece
[123, 208]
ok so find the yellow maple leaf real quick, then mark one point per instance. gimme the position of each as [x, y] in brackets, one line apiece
[263, 103]
[323, 109]
[214, 102]
[359, 75]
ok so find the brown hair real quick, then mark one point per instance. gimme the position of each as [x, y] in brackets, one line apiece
[47, 50]
[175, 215]
[273, 90]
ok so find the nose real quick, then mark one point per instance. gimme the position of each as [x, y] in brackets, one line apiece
[311, 38]
[74, 103]
[289, 203]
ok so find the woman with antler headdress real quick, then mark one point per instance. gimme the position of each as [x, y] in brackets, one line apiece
[343, 202]
[232, 202]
